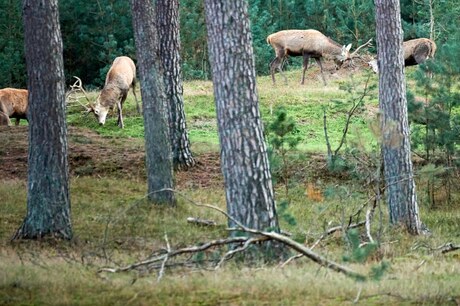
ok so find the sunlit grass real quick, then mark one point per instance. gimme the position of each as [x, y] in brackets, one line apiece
[114, 224]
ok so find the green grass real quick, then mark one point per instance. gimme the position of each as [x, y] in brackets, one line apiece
[114, 225]
[305, 104]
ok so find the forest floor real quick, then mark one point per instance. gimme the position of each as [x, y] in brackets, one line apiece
[91, 154]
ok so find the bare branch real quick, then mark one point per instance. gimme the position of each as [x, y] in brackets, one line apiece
[200, 221]
[240, 227]
[174, 253]
[448, 247]
[244, 247]
[160, 274]
[336, 229]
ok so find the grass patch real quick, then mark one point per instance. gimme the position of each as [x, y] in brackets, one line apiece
[114, 224]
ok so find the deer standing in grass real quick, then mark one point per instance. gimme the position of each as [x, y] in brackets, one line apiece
[120, 78]
[307, 43]
[416, 51]
[13, 104]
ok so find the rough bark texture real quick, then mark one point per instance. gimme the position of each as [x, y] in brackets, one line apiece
[48, 202]
[154, 104]
[248, 185]
[396, 149]
[167, 13]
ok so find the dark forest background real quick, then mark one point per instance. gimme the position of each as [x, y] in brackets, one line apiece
[95, 32]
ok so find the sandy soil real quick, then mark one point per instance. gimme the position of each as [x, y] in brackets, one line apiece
[93, 155]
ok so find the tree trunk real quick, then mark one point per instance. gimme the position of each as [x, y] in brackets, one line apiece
[248, 184]
[48, 202]
[167, 13]
[401, 196]
[154, 104]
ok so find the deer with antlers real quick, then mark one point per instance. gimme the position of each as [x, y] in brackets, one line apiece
[416, 51]
[309, 44]
[120, 78]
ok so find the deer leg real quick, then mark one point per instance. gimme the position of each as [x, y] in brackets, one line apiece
[306, 58]
[318, 60]
[273, 65]
[135, 97]
[120, 114]
[17, 121]
[283, 60]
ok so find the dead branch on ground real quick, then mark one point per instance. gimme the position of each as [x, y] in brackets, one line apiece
[258, 236]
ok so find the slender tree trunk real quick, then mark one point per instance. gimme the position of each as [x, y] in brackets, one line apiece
[48, 202]
[167, 13]
[154, 104]
[248, 184]
[399, 176]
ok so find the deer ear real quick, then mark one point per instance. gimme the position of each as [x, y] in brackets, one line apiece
[348, 47]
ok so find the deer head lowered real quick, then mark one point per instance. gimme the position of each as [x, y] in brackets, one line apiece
[307, 43]
[120, 78]
[416, 51]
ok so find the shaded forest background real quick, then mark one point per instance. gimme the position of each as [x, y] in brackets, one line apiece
[95, 32]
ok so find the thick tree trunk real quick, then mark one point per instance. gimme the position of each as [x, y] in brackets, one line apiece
[154, 103]
[48, 202]
[399, 176]
[248, 184]
[167, 13]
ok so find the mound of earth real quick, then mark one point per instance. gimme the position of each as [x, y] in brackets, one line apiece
[93, 155]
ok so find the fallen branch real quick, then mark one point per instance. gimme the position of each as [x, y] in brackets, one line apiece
[266, 236]
[448, 247]
[199, 221]
[174, 253]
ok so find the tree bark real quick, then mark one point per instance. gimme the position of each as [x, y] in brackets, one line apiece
[399, 176]
[167, 14]
[248, 184]
[154, 104]
[48, 202]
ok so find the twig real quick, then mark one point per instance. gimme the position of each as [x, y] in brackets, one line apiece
[448, 247]
[199, 221]
[160, 274]
[335, 229]
[244, 247]
[356, 300]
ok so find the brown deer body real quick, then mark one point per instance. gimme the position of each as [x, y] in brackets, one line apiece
[120, 78]
[416, 51]
[306, 43]
[13, 104]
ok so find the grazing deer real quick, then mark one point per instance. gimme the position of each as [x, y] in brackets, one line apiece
[307, 43]
[13, 104]
[416, 51]
[120, 77]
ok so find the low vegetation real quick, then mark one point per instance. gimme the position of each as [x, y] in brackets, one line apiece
[115, 226]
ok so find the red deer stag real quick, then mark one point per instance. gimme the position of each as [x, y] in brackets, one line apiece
[13, 104]
[121, 77]
[307, 43]
[416, 51]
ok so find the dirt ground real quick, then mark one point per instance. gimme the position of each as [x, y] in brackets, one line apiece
[93, 155]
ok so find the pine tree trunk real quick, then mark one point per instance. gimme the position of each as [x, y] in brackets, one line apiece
[48, 202]
[154, 104]
[399, 176]
[167, 13]
[248, 184]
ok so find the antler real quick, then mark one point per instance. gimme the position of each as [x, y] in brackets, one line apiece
[71, 94]
[368, 43]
